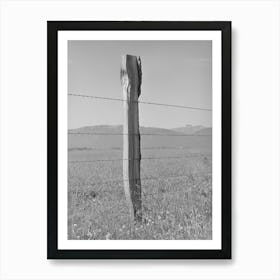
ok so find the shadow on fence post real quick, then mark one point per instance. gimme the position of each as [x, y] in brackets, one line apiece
[131, 78]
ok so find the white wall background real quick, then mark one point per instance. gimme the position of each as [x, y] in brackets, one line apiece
[255, 139]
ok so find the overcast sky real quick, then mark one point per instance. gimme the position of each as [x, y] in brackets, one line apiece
[173, 72]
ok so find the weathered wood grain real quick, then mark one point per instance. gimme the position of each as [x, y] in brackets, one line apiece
[131, 78]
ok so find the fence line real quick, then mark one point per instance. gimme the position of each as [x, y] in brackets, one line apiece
[147, 134]
[145, 158]
[120, 149]
[142, 102]
[144, 179]
[142, 134]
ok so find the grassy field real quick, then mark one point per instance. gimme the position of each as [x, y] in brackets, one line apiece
[176, 193]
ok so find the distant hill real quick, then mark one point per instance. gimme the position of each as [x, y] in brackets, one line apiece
[189, 129]
[84, 138]
[204, 131]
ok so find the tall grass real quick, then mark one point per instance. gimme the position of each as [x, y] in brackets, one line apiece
[173, 208]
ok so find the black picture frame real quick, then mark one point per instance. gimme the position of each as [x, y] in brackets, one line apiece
[52, 138]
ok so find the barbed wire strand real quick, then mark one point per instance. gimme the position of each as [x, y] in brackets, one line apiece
[141, 102]
[120, 159]
[136, 134]
[142, 179]
[119, 149]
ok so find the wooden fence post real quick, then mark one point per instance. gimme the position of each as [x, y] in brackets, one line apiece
[131, 78]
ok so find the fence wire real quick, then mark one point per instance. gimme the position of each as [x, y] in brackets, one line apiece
[144, 158]
[141, 102]
[141, 134]
[142, 179]
[136, 134]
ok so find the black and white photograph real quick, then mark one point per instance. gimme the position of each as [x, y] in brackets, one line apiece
[139, 142]
[139, 170]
